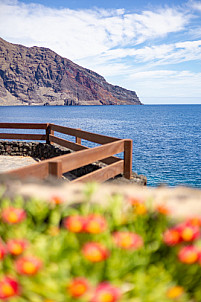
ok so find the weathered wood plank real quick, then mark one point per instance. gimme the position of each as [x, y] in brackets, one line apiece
[27, 136]
[102, 174]
[93, 137]
[77, 147]
[79, 159]
[23, 125]
[38, 170]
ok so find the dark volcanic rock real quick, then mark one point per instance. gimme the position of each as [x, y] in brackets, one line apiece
[39, 76]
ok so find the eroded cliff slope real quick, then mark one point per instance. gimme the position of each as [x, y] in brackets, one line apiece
[39, 76]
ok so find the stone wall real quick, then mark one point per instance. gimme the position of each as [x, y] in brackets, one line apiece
[33, 149]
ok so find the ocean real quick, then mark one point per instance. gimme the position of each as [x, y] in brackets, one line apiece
[166, 138]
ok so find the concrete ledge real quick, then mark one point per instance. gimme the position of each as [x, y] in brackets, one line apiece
[182, 202]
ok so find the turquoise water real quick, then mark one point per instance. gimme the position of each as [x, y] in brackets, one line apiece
[166, 138]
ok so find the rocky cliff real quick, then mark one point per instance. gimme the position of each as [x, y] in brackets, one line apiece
[39, 76]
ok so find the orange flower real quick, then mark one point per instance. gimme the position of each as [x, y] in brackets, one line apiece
[140, 209]
[16, 246]
[74, 223]
[188, 254]
[188, 232]
[8, 288]
[78, 287]
[95, 252]
[175, 292]
[172, 237]
[13, 215]
[128, 240]
[56, 200]
[28, 265]
[106, 292]
[2, 250]
[162, 209]
[95, 224]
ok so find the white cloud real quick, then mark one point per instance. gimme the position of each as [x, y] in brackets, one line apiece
[78, 34]
[122, 46]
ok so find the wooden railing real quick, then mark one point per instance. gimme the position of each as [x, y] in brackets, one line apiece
[59, 165]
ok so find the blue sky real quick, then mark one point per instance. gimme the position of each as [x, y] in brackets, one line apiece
[152, 47]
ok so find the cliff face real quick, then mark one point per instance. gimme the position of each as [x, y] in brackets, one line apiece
[39, 76]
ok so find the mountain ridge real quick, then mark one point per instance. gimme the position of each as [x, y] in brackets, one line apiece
[39, 76]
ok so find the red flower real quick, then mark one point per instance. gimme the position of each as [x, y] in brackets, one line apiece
[172, 237]
[2, 250]
[78, 287]
[28, 265]
[8, 288]
[74, 223]
[188, 254]
[13, 215]
[16, 246]
[95, 224]
[106, 292]
[194, 221]
[188, 232]
[95, 252]
[128, 240]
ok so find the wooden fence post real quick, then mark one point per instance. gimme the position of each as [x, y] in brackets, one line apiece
[48, 133]
[128, 148]
[55, 168]
[78, 139]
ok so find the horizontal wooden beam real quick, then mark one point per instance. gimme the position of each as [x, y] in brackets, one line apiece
[79, 159]
[102, 174]
[77, 147]
[39, 170]
[27, 136]
[23, 125]
[93, 137]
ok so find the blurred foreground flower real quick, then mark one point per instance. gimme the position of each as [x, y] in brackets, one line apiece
[188, 254]
[172, 237]
[78, 287]
[9, 287]
[175, 292]
[95, 252]
[74, 223]
[189, 232]
[106, 292]
[95, 224]
[28, 265]
[2, 250]
[128, 240]
[16, 246]
[13, 215]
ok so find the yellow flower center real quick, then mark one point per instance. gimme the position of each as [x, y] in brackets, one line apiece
[191, 258]
[126, 241]
[175, 292]
[187, 234]
[7, 290]
[106, 297]
[94, 255]
[94, 227]
[12, 217]
[140, 209]
[16, 249]
[29, 268]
